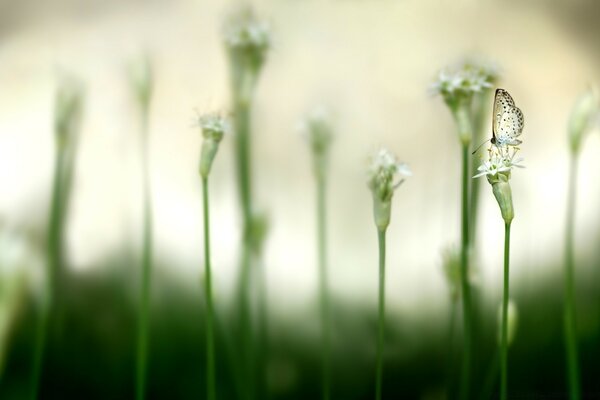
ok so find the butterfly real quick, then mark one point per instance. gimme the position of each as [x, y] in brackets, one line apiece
[507, 121]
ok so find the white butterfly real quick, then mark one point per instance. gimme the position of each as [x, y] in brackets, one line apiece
[507, 121]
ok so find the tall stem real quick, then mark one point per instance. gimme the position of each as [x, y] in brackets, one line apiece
[210, 345]
[381, 323]
[504, 334]
[570, 326]
[144, 316]
[243, 154]
[464, 276]
[323, 284]
[54, 253]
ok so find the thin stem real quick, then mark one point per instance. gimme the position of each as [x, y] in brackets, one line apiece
[504, 334]
[323, 285]
[464, 276]
[210, 345]
[144, 316]
[381, 323]
[570, 326]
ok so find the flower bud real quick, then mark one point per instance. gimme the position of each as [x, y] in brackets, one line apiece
[318, 131]
[213, 127]
[503, 195]
[584, 112]
[385, 175]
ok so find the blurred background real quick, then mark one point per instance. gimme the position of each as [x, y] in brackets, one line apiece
[372, 63]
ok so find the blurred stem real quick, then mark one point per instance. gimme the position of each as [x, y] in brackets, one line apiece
[243, 153]
[479, 118]
[263, 321]
[144, 313]
[381, 323]
[504, 334]
[54, 254]
[450, 353]
[323, 283]
[570, 325]
[210, 342]
[464, 276]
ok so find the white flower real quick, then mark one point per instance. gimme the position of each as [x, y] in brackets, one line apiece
[316, 128]
[246, 32]
[214, 126]
[501, 161]
[386, 174]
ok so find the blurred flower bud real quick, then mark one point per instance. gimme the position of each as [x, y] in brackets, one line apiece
[512, 322]
[317, 129]
[385, 175]
[213, 126]
[583, 115]
[141, 78]
[259, 230]
[247, 40]
[452, 273]
[67, 110]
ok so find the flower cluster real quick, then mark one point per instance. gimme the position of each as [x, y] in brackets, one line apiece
[458, 84]
[385, 175]
[213, 126]
[247, 40]
[497, 169]
[316, 127]
[502, 160]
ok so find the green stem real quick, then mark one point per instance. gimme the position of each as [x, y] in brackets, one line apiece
[570, 326]
[144, 316]
[54, 251]
[243, 154]
[450, 352]
[464, 276]
[210, 342]
[504, 334]
[480, 108]
[381, 323]
[323, 285]
[263, 345]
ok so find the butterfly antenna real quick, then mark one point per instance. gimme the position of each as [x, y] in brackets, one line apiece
[477, 149]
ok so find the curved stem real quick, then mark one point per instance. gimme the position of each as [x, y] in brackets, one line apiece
[323, 286]
[504, 334]
[381, 323]
[144, 316]
[464, 276]
[570, 326]
[210, 345]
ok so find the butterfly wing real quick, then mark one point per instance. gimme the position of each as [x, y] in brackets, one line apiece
[502, 103]
[510, 127]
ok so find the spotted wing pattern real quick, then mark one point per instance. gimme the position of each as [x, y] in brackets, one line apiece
[508, 121]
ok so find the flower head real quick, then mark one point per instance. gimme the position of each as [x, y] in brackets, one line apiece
[585, 112]
[385, 175]
[458, 84]
[247, 39]
[502, 160]
[498, 170]
[317, 129]
[214, 126]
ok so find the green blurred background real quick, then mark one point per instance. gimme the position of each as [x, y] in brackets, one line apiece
[372, 62]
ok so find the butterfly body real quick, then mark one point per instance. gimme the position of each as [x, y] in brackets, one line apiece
[507, 120]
